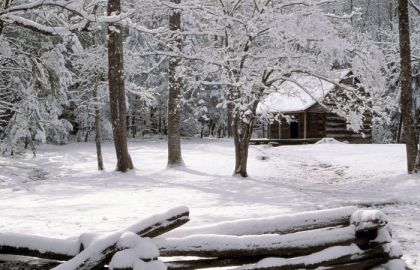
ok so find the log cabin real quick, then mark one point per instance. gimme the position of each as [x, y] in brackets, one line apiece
[306, 116]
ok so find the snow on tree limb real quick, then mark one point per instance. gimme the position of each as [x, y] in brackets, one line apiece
[32, 25]
[413, 5]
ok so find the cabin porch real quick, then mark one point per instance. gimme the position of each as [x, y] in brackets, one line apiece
[299, 126]
[283, 141]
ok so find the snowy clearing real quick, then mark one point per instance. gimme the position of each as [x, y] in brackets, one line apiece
[61, 194]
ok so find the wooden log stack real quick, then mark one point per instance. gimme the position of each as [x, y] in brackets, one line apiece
[342, 238]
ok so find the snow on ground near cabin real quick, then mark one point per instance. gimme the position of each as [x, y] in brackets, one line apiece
[61, 194]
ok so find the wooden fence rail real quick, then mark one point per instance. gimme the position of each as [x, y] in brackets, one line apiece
[342, 238]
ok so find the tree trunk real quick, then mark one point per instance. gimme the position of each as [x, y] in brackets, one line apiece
[407, 111]
[133, 126]
[241, 142]
[390, 13]
[230, 120]
[174, 98]
[117, 89]
[98, 133]
[242, 132]
[87, 135]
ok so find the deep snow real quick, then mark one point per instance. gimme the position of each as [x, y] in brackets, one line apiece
[61, 194]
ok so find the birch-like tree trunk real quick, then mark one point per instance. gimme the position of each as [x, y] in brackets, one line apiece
[407, 109]
[117, 89]
[174, 97]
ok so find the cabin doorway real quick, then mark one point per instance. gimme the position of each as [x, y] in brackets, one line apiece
[294, 130]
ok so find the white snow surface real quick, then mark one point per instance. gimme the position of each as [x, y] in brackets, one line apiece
[61, 194]
[127, 259]
[328, 141]
[143, 248]
[392, 265]
[124, 259]
[366, 219]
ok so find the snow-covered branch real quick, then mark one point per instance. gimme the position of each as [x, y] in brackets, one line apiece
[344, 17]
[414, 6]
[32, 25]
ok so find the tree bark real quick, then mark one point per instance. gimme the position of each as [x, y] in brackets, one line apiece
[230, 120]
[117, 89]
[98, 132]
[242, 128]
[174, 98]
[407, 110]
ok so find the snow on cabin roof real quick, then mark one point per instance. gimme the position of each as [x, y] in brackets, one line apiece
[290, 97]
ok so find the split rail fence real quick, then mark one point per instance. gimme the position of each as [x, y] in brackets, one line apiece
[345, 238]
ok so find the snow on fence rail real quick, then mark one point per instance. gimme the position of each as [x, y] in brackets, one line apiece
[342, 238]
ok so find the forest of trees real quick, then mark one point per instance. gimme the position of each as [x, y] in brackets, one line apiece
[95, 70]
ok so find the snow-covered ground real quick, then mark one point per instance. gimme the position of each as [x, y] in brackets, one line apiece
[61, 194]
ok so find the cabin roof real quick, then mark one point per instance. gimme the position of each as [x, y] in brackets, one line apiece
[290, 97]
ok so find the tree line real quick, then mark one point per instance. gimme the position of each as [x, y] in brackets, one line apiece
[172, 67]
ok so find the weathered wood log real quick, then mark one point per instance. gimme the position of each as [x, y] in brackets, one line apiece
[361, 265]
[163, 223]
[32, 264]
[208, 263]
[282, 224]
[65, 249]
[37, 246]
[330, 256]
[26, 265]
[16, 262]
[98, 254]
[290, 245]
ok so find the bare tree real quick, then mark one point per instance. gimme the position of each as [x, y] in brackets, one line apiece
[174, 98]
[117, 89]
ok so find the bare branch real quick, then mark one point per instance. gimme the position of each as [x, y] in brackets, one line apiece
[413, 5]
